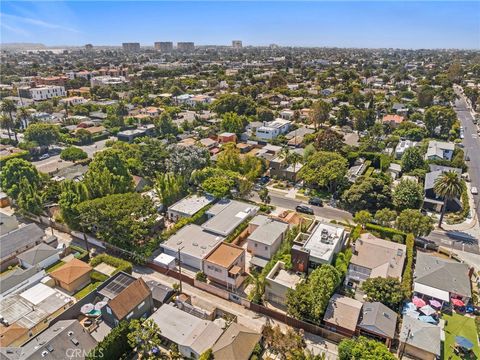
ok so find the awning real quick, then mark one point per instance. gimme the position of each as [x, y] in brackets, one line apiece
[258, 262]
[235, 270]
[430, 291]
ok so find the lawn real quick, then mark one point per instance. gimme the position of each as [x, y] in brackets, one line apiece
[54, 267]
[458, 325]
[87, 290]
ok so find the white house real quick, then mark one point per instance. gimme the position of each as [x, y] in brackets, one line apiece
[47, 92]
[41, 256]
[73, 100]
[188, 206]
[439, 150]
[270, 130]
[403, 146]
[266, 236]
[278, 282]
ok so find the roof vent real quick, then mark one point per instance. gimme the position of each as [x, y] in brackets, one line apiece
[44, 353]
[70, 333]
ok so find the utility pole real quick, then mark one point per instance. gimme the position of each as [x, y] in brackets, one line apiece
[405, 344]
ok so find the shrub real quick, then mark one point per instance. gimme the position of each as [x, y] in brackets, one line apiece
[119, 264]
[96, 276]
[73, 153]
[387, 233]
[114, 345]
[200, 276]
[240, 228]
[184, 221]
[407, 274]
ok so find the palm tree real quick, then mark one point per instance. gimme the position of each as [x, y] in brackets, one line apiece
[24, 116]
[9, 107]
[449, 186]
[5, 124]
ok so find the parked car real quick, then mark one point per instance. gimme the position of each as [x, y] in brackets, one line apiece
[315, 201]
[44, 156]
[474, 190]
[304, 209]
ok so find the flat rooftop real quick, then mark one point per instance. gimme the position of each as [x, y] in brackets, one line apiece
[227, 215]
[225, 255]
[324, 240]
[190, 205]
[193, 240]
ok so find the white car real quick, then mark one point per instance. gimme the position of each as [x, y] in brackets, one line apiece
[44, 156]
[474, 190]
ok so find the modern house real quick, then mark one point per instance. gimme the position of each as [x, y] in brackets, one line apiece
[226, 215]
[58, 342]
[236, 343]
[17, 241]
[40, 256]
[439, 150]
[433, 202]
[192, 335]
[266, 236]
[270, 130]
[374, 257]
[280, 168]
[127, 299]
[226, 265]
[278, 282]
[441, 279]
[72, 276]
[317, 247]
[378, 322]
[402, 146]
[193, 243]
[342, 314]
[188, 206]
[420, 340]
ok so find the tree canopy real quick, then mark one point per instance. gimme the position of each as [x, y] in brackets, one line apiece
[362, 348]
[14, 171]
[234, 103]
[412, 221]
[42, 134]
[388, 291]
[73, 153]
[408, 194]
[368, 193]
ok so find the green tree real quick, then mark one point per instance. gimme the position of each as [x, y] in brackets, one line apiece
[169, 188]
[14, 171]
[84, 137]
[324, 169]
[144, 336]
[113, 346]
[363, 217]
[165, 125]
[447, 186]
[73, 153]
[72, 194]
[368, 193]
[29, 199]
[264, 196]
[229, 158]
[425, 96]
[310, 299]
[388, 291]
[42, 134]
[385, 217]
[408, 194]
[206, 355]
[412, 221]
[232, 122]
[320, 113]
[234, 103]
[442, 117]
[9, 107]
[286, 344]
[108, 174]
[362, 348]
[123, 220]
[265, 115]
[329, 140]
[412, 159]
[219, 186]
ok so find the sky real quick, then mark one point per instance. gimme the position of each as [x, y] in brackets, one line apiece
[389, 24]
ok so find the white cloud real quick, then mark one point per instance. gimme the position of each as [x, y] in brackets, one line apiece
[14, 29]
[37, 22]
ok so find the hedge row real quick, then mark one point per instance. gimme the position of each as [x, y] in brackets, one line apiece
[461, 215]
[119, 264]
[240, 228]
[407, 274]
[21, 154]
[114, 345]
[183, 222]
[387, 233]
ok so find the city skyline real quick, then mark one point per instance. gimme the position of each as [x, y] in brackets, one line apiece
[358, 24]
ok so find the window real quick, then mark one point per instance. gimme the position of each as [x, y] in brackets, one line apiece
[256, 245]
[266, 247]
[130, 315]
[141, 305]
[109, 311]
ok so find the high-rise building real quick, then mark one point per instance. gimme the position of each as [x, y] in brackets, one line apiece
[89, 47]
[131, 47]
[164, 46]
[186, 46]
[237, 44]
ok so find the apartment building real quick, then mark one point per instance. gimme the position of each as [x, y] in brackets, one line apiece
[46, 92]
[164, 46]
[186, 46]
[131, 47]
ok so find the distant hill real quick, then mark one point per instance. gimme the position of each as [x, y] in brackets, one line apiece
[22, 46]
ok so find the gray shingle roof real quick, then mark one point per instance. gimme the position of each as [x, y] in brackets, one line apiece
[379, 319]
[435, 173]
[16, 277]
[421, 335]
[442, 274]
[19, 238]
[37, 254]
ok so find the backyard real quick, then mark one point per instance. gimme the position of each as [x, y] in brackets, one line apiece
[458, 325]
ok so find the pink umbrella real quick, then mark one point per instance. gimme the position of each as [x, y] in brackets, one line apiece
[458, 302]
[435, 303]
[418, 302]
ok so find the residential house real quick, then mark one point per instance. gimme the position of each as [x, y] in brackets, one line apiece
[357, 170]
[433, 202]
[17, 241]
[393, 120]
[236, 343]
[378, 322]
[72, 276]
[127, 299]
[192, 335]
[270, 130]
[420, 340]
[19, 279]
[193, 244]
[266, 236]
[7, 223]
[227, 137]
[64, 339]
[40, 256]
[287, 114]
[278, 282]
[188, 206]
[73, 100]
[441, 279]
[161, 294]
[342, 314]
[373, 257]
[439, 150]
[317, 247]
[280, 168]
[226, 265]
[226, 215]
[402, 146]
[131, 134]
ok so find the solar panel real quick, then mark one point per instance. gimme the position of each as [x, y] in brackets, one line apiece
[117, 285]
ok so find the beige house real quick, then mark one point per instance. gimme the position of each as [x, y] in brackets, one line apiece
[277, 283]
[72, 276]
[225, 265]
